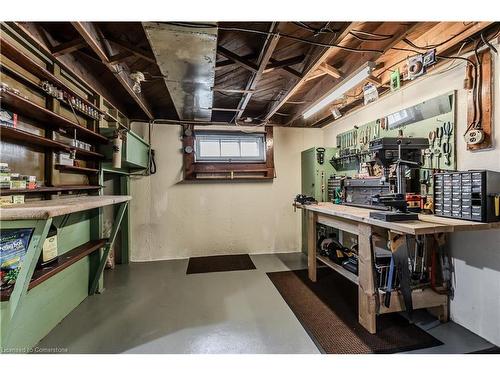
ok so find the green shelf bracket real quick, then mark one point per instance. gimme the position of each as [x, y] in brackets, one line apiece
[41, 228]
[114, 231]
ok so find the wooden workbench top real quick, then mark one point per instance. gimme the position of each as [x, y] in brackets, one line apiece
[56, 207]
[425, 225]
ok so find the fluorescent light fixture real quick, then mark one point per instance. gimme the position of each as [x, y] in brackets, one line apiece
[348, 83]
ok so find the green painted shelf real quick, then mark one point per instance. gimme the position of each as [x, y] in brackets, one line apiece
[63, 261]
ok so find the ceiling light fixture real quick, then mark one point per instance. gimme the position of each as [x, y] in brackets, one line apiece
[348, 83]
[137, 78]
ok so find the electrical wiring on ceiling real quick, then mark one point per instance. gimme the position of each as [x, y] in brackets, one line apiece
[374, 37]
[282, 35]
[316, 31]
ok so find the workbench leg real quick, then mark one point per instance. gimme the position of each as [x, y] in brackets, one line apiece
[109, 245]
[440, 312]
[311, 244]
[367, 307]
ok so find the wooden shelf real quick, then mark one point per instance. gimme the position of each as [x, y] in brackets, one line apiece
[25, 107]
[26, 62]
[75, 169]
[63, 261]
[347, 274]
[8, 132]
[45, 209]
[50, 189]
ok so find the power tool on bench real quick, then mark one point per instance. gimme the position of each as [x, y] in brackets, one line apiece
[403, 152]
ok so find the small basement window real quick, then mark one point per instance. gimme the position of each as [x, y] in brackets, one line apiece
[230, 148]
[216, 153]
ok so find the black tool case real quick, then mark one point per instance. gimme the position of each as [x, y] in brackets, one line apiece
[360, 191]
[466, 195]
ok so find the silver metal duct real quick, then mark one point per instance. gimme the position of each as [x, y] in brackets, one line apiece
[186, 57]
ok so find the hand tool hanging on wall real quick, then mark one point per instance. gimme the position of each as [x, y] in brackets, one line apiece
[320, 155]
[439, 135]
[438, 157]
[448, 130]
[447, 153]
[432, 138]
[425, 182]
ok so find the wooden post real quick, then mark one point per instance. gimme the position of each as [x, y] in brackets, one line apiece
[311, 244]
[366, 294]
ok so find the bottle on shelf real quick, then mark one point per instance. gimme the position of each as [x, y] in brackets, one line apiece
[49, 249]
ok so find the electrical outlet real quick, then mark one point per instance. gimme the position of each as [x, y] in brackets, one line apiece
[474, 137]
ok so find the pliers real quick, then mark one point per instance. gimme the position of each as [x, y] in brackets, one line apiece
[447, 130]
[439, 134]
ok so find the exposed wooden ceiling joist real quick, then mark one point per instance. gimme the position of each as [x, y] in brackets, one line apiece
[330, 70]
[452, 33]
[283, 63]
[91, 35]
[68, 47]
[265, 56]
[239, 60]
[320, 58]
[133, 50]
[327, 86]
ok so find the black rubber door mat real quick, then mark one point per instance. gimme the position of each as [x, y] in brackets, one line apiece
[220, 263]
[328, 311]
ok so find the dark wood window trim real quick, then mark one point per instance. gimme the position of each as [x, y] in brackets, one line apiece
[226, 171]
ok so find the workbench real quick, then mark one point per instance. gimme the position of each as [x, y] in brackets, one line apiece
[39, 215]
[358, 222]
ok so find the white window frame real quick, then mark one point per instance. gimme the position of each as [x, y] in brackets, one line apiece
[230, 136]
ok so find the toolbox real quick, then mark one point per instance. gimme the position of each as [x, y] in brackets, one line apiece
[470, 195]
[360, 191]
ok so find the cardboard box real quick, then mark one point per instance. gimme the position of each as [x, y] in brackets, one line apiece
[8, 118]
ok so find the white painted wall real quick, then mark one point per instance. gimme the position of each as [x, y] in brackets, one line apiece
[476, 255]
[174, 219]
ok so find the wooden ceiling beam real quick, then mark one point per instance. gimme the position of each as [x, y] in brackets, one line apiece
[273, 64]
[432, 35]
[119, 57]
[91, 35]
[328, 86]
[68, 47]
[313, 66]
[318, 73]
[330, 70]
[265, 56]
[136, 51]
[229, 62]
[222, 89]
[239, 60]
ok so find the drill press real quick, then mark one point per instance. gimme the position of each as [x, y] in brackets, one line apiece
[404, 153]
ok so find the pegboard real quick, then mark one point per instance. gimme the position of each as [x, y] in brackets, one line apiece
[356, 140]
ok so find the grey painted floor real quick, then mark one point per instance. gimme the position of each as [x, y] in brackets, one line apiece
[156, 308]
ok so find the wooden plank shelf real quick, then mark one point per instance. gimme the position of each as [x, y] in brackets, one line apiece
[63, 261]
[34, 68]
[15, 134]
[25, 107]
[50, 189]
[336, 267]
[75, 169]
[44, 209]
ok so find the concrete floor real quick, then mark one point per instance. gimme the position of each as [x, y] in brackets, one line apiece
[156, 308]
